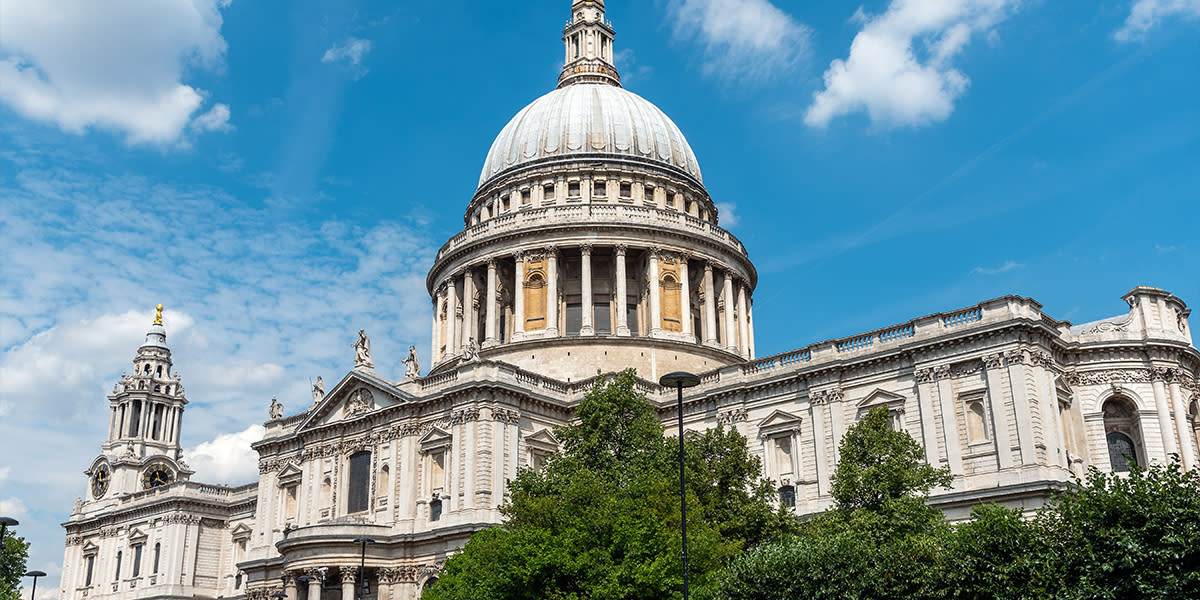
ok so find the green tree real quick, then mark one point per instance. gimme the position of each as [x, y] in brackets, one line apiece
[13, 555]
[881, 539]
[601, 519]
[1127, 536]
[998, 555]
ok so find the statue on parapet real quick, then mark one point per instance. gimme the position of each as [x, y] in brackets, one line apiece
[318, 390]
[362, 352]
[470, 350]
[276, 410]
[412, 365]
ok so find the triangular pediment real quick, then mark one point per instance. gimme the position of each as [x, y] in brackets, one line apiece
[543, 439]
[90, 547]
[433, 439]
[778, 418]
[290, 474]
[240, 531]
[357, 390]
[879, 397]
[136, 535]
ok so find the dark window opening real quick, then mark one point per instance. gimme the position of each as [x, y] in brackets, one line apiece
[1121, 452]
[787, 496]
[602, 321]
[574, 318]
[118, 575]
[360, 480]
[435, 510]
[91, 564]
[137, 560]
[157, 555]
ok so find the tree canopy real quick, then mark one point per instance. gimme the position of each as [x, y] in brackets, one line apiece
[601, 519]
[13, 554]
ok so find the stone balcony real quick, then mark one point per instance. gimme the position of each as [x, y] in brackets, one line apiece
[592, 214]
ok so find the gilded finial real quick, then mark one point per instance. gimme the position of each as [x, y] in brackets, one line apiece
[158, 315]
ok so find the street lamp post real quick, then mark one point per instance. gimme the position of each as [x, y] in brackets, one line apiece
[5, 523]
[680, 380]
[34, 575]
[362, 564]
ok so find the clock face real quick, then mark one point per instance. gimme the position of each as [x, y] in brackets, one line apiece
[156, 475]
[100, 479]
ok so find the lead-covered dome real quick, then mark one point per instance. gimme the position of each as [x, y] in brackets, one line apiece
[589, 118]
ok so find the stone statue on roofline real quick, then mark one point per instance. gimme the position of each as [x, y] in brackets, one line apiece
[412, 365]
[318, 390]
[362, 352]
[276, 410]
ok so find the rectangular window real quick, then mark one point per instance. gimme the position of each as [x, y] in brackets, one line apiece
[626, 190]
[599, 190]
[574, 318]
[435, 510]
[118, 575]
[360, 480]
[157, 555]
[573, 189]
[91, 564]
[631, 316]
[504, 203]
[603, 318]
[437, 471]
[548, 193]
[137, 560]
[524, 196]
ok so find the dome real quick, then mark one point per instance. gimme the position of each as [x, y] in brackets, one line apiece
[589, 118]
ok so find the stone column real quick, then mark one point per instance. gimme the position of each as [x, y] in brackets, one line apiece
[1188, 450]
[949, 422]
[655, 327]
[552, 291]
[685, 297]
[585, 274]
[730, 326]
[178, 425]
[492, 310]
[1002, 423]
[710, 306]
[314, 586]
[434, 342]
[451, 316]
[468, 308]
[622, 310]
[1018, 387]
[743, 322]
[289, 585]
[1164, 414]
[519, 297]
[349, 578]
[750, 324]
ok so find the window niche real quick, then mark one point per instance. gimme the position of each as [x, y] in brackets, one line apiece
[541, 445]
[434, 447]
[1123, 433]
[976, 413]
[780, 435]
[289, 486]
[894, 403]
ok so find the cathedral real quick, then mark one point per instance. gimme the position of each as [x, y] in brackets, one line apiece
[590, 244]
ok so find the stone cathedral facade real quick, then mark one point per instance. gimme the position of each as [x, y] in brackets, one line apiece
[591, 244]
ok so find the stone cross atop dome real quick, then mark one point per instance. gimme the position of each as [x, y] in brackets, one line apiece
[588, 42]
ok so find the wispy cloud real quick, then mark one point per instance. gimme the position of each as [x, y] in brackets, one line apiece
[228, 458]
[630, 69]
[1004, 268]
[900, 69]
[744, 41]
[727, 213]
[350, 54]
[1147, 14]
[68, 62]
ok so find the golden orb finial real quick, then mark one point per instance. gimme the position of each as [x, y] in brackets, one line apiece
[158, 315]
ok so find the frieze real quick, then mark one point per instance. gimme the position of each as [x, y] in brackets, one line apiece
[729, 417]
[407, 574]
[182, 519]
[1075, 378]
[1106, 327]
[964, 369]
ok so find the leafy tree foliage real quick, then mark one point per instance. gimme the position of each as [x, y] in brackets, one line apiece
[1110, 537]
[601, 519]
[13, 555]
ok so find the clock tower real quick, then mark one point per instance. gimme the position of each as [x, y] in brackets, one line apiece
[142, 450]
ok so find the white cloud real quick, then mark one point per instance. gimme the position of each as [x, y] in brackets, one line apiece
[744, 40]
[1004, 268]
[4, 473]
[727, 213]
[899, 70]
[1146, 14]
[111, 65]
[227, 459]
[350, 53]
[14, 508]
[216, 119]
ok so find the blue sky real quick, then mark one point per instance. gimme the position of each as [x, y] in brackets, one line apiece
[279, 174]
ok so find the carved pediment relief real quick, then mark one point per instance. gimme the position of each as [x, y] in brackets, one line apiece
[542, 439]
[358, 393]
[779, 422]
[435, 439]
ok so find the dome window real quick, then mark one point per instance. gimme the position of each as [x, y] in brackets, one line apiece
[573, 189]
[548, 193]
[525, 197]
[626, 191]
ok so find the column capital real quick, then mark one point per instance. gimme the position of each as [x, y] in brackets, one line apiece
[656, 253]
[491, 262]
[585, 249]
[348, 574]
[551, 251]
[519, 256]
[708, 267]
[621, 249]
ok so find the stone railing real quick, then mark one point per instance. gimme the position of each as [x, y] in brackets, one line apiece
[191, 489]
[534, 218]
[815, 356]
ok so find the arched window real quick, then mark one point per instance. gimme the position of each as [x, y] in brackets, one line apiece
[157, 555]
[326, 493]
[435, 510]
[385, 480]
[117, 576]
[360, 481]
[976, 421]
[1123, 434]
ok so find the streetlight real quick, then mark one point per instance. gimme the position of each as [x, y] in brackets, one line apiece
[34, 575]
[362, 565]
[680, 380]
[5, 522]
[280, 595]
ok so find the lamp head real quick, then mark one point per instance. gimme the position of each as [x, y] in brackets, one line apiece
[679, 379]
[364, 540]
[9, 521]
[36, 574]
